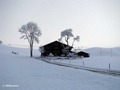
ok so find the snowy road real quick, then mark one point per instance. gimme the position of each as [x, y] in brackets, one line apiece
[103, 71]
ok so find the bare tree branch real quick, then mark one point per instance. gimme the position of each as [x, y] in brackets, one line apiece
[30, 32]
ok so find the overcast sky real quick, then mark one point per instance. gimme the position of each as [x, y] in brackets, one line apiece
[97, 22]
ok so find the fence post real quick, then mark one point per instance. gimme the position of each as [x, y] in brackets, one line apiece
[111, 52]
[83, 63]
[109, 65]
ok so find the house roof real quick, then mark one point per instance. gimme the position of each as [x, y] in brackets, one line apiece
[82, 52]
[56, 42]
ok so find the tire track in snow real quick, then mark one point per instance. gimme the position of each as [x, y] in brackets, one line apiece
[102, 71]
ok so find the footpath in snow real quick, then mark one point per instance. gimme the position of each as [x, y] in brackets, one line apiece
[103, 71]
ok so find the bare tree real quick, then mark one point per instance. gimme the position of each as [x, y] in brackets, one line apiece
[67, 34]
[31, 32]
[77, 38]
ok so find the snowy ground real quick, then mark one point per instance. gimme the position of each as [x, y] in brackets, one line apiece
[94, 62]
[99, 58]
[19, 72]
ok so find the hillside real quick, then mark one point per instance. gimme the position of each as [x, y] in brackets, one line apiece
[103, 52]
[19, 72]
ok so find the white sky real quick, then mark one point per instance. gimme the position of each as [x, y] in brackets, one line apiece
[97, 22]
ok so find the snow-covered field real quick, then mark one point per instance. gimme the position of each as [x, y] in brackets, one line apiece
[19, 72]
[94, 62]
[104, 58]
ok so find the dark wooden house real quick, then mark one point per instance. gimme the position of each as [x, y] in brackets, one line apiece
[56, 48]
[83, 54]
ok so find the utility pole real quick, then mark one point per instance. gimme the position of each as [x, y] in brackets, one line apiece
[111, 52]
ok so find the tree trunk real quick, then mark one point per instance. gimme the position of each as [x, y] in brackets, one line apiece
[67, 42]
[31, 53]
[31, 49]
[66, 39]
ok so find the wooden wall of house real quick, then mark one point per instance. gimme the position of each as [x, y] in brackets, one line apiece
[55, 48]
